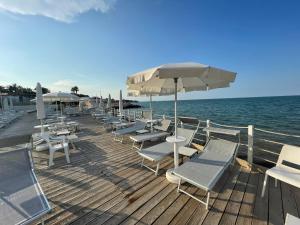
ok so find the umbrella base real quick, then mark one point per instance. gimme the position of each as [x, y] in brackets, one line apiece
[171, 177]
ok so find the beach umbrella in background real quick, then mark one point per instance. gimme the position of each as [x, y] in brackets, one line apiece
[108, 106]
[60, 97]
[136, 93]
[11, 105]
[5, 104]
[121, 104]
[97, 104]
[100, 102]
[80, 106]
[169, 79]
[40, 107]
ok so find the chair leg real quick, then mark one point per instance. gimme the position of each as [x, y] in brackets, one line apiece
[51, 156]
[264, 186]
[66, 149]
[276, 182]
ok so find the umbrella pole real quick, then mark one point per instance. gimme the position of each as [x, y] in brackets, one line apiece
[151, 116]
[176, 162]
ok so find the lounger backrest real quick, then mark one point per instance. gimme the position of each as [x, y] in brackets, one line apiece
[289, 154]
[14, 163]
[187, 133]
[221, 150]
[165, 124]
[22, 200]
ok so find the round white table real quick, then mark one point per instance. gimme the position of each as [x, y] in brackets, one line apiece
[169, 174]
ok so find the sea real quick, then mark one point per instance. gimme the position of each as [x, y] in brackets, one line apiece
[277, 114]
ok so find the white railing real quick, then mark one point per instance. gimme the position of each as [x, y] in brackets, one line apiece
[251, 138]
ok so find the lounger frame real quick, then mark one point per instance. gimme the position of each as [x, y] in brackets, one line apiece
[180, 120]
[215, 179]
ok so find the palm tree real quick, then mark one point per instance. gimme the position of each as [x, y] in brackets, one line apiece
[75, 89]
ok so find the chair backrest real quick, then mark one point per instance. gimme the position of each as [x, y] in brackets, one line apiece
[164, 126]
[146, 114]
[289, 154]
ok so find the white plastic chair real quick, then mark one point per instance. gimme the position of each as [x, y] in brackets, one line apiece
[283, 171]
[56, 144]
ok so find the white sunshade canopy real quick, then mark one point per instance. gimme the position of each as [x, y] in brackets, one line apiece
[60, 96]
[191, 77]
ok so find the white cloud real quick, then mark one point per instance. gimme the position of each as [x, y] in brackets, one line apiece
[61, 10]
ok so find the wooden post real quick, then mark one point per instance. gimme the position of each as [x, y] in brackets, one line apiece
[250, 143]
[207, 132]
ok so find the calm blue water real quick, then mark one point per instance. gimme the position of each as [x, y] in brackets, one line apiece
[281, 114]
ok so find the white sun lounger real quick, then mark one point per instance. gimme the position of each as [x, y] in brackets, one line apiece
[205, 169]
[22, 200]
[160, 132]
[119, 134]
[287, 168]
[158, 152]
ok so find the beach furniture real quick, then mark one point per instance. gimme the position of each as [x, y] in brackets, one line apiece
[159, 132]
[119, 134]
[22, 199]
[291, 220]
[287, 168]
[205, 169]
[158, 152]
[55, 144]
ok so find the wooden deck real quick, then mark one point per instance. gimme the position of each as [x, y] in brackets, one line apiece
[105, 184]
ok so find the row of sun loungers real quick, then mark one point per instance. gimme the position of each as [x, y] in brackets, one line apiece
[7, 117]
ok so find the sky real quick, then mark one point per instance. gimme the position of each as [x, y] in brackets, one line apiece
[96, 44]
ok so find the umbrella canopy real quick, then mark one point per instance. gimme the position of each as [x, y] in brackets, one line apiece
[190, 77]
[108, 106]
[180, 77]
[11, 105]
[5, 104]
[121, 104]
[40, 108]
[60, 96]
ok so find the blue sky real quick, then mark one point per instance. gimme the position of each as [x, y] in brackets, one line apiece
[96, 44]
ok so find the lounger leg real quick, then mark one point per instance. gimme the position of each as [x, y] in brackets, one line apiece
[207, 200]
[179, 183]
[276, 182]
[67, 153]
[142, 164]
[264, 186]
[51, 156]
[157, 168]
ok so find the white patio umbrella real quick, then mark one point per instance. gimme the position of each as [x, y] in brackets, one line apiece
[5, 104]
[135, 93]
[180, 77]
[121, 104]
[11, 105]
[97, 104]
[108, 105]
[40, 107]
[61, 97]
[100, 102]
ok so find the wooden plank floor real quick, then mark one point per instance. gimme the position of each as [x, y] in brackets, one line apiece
[104, 184]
